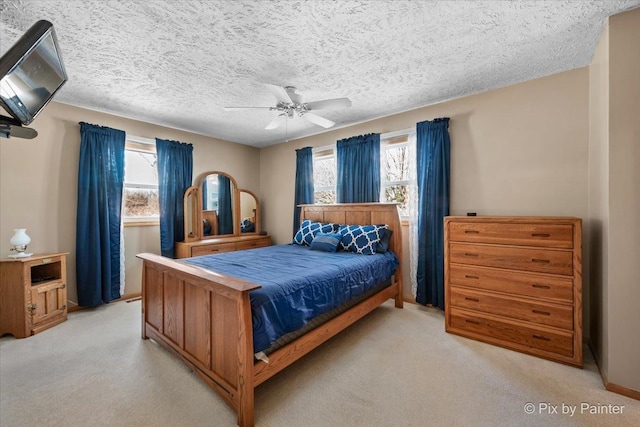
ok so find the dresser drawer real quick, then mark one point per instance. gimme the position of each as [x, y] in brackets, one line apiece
[513, 282]
[252, 244]
[529, 234]
[213, 249]
[549, 314]
[514, 258]
[518, 333]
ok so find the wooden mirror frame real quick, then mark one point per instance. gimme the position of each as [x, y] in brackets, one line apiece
[193, 209]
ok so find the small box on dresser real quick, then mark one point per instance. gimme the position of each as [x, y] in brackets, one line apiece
[33, 294]
[516, 282]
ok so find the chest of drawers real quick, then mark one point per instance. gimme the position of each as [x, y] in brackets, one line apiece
[516, 282]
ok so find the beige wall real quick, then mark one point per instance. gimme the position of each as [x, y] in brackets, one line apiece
[38, 182]
[598, 222]
[624, 199]
[519, 150]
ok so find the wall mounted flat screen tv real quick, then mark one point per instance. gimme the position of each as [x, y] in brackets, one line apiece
[32, 72]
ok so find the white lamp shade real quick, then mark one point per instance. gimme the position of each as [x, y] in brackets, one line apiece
[20, 238]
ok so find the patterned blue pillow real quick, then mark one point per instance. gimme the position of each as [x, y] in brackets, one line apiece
[326, 242]
[308, 230]
[361, 239]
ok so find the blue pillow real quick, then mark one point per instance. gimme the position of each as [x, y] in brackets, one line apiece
[308, 230]
[383, 244]
[361, 239]
[246, 226]
[326, 242]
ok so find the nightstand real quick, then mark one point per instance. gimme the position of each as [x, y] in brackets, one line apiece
[33, 294]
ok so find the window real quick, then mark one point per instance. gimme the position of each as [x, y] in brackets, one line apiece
[211, 187]
[324, 174]
[140, 182]
[395, 179]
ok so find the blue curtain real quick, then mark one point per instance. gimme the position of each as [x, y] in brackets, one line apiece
[304, 183]
[225, 203]
[175, 170]
[432, 148]
[359, 169]
[205, 195]
[98, 219]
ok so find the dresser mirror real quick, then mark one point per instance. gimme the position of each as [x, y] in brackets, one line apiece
[248, 212]
[216, 207]
[191, 210]
[218, 202]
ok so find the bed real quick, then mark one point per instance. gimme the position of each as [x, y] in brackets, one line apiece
[205, 316]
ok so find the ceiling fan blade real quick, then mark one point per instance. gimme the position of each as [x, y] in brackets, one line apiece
[320, 121]
[329, 103]
[275, 123]
[246, 108]
[280, 93]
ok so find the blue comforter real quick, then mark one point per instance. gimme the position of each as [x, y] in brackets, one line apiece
[298, 284]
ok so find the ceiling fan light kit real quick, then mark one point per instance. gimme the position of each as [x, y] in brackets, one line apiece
[290, 106]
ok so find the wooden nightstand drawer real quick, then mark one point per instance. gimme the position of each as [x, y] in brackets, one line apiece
[213, 249]
[549, 314]
[527, 234]
[519, 283]
[513, 258]
[505, 332]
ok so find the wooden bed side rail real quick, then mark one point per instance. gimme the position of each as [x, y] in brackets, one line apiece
[205, 318]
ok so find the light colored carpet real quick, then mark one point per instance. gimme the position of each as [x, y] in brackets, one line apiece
[393, 368]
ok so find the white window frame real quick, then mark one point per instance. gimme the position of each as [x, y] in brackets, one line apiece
[142, 145]
[315, 151]
[386, 143]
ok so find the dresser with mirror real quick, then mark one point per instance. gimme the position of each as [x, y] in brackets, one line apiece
[220, 217]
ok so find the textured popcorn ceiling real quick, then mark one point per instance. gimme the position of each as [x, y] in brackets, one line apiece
[178, 63]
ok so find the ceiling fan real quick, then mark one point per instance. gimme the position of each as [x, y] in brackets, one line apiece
[290, 105]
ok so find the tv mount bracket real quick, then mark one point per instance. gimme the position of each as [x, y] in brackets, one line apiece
[10, 127]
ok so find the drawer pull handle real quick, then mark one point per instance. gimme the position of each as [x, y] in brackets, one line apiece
[472, 299]
[541, 261]
[546, 313]
[475, 322]
[214, 250]
[536, 285]
[471, 277]
[471, 255]
[471, 232]
[540, 337]
[540, 235]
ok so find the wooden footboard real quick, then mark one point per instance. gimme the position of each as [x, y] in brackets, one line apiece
[205, 317]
